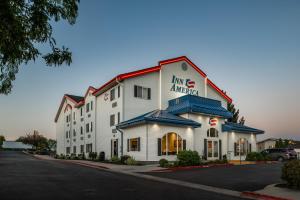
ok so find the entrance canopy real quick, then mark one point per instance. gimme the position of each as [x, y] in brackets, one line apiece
[161, 117]
[196, 104]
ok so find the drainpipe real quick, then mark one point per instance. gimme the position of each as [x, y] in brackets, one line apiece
[121, 139]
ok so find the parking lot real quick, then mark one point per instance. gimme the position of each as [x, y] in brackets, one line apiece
[239, 178]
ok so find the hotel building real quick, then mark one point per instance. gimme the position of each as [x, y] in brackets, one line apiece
[151, 114]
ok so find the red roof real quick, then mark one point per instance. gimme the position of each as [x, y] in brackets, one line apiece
[141, 72]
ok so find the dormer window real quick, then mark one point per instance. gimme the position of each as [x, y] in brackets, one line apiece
[112, 95]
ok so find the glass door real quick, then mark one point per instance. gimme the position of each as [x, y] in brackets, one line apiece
[212, 149]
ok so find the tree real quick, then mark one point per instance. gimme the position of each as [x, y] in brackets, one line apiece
[25, 24]
[283, 143]
[2, 138]
[37, 140]
[51, 144]
[242, 121]
[235, 113]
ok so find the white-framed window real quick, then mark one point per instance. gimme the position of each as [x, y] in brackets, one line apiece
[112, 120]
[81, 130]
[74, 116]
[81, 148]
[142, 92]
[68, 149]
[87, 107]
[91, 105]
[134, 144]
[91, 126]
[112, 94]
[119, 91]
[212, 132]
[242, 147]
[89, 148]
[87, 128]
[74, 132]
[119, 116]
[74, 149]
[81, 111]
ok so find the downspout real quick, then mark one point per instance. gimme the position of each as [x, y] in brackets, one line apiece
[122, 134]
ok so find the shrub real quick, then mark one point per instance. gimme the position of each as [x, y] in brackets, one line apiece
[101, 156]
[163, 162]
[131, 161]
[255, 156]
[73, 156]
[92, 155]
[291, 173]
[115, 159]
[62, 156]
[124, 159]
[188, 158]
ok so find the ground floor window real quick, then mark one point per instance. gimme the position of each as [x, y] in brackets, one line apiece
[133, 144]
[242, 147]
[81, 148]
[212, 148]
[74, 149]
[89, 148]
[68, 150]
[171, 144]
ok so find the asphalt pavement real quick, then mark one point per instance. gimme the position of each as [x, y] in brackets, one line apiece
[24, 177]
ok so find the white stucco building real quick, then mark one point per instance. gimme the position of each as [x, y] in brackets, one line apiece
[151, 114]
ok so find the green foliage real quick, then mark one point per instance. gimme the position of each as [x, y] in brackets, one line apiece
[92, 155]
[255, 156]
[62, 156]
[37, 140]
[81, 156]
[291, 173]
[163, 162]
[188, 158]
[280, 143]
[73, 156]
[115, 159]
[2, 139]
[24, 26]
[124, 158]
[235, 112]
[131, 161]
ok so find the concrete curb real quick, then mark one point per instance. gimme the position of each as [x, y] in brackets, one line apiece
[171, 169]
[262, 196]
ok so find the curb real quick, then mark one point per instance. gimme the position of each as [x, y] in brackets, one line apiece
[262, 196]
[191, 167]
[85, 164]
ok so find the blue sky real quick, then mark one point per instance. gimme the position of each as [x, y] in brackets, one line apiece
[251, 49]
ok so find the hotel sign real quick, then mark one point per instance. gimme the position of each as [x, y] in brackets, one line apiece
[185, 86]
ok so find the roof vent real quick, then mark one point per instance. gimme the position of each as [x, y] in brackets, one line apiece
[184, 66]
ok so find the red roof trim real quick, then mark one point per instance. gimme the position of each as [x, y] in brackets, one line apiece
[184, 58]
[138, 73]
[225, 96]
[61, 104]
[68, 106]
[91, 88]
[103, 86]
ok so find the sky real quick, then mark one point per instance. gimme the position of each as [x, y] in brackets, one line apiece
[250, 49]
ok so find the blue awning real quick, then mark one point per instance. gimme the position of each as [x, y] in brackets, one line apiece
[196, 104]
[234, 127]
[161, 117]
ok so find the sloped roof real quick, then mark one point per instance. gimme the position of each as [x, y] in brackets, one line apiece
[235, 127]
[196, 104]
[77, 99]
[161, 117]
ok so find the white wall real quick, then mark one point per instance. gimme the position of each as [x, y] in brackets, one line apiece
[213, 94]
[167, 73]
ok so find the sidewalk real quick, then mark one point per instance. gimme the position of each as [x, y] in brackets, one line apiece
[114, 167]
[280, 192]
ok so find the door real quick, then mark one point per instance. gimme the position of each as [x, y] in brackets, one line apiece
[212, 149]
[115, 147]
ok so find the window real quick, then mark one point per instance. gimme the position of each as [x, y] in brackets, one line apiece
[112, 120]
[119, 91]
[81, 130]
[74, 132]
[133, 144]
[87, 107]
[67, 134]
[81, 111]
[91, 105]
[68, 150]
[112, 94]
[242, 147]
[91, 126]
[81, 148]
[87, 128]
[212, 132]
[171, 144]
[73, 115]
[118, 117]
[89, 148]
[74, 149]
[142, 92]
[67, 118]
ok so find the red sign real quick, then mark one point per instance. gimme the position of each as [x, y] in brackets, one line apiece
[213, 121]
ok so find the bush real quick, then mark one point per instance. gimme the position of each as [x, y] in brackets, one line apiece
[291, 173]
[101, 156]
[81, 156]
[124, 159]
[255, 156]
[92, 155]
[115, 159]
[188, 158]
[131, 161]
[73, 156]
[163, 162]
